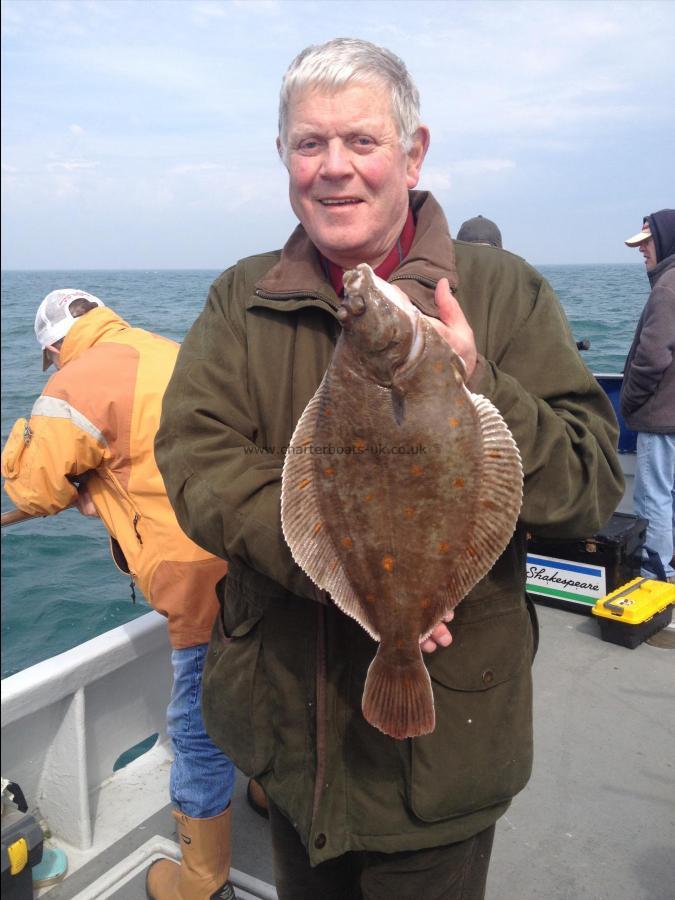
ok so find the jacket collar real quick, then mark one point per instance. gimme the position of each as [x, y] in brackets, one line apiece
[96, 325]
[299, 272]
[658, 270]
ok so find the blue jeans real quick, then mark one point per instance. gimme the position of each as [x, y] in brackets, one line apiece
[654, 494]
[202, 777]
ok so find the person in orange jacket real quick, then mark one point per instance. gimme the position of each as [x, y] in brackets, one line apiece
[90, 441]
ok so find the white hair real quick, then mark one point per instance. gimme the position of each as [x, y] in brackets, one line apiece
[342, 61]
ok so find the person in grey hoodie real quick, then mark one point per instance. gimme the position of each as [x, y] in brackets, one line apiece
[648, 391]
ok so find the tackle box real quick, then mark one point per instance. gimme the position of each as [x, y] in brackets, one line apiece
[22, 842]
[636, 611]
[574, 574]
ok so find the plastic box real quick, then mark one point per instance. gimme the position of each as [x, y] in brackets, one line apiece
[635, 612]
[575, 574]
[22, 842]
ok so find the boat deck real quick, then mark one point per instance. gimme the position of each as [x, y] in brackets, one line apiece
[596, 822]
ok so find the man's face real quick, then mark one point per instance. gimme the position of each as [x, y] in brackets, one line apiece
[348, 174]
[648, 251]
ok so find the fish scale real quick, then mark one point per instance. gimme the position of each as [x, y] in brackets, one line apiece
[400, 491]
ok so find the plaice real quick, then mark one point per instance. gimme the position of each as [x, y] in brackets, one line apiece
[400, 490]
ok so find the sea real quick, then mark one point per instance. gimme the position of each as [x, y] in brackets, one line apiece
[59, 584]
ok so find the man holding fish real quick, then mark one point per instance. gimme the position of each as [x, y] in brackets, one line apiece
[460, 349]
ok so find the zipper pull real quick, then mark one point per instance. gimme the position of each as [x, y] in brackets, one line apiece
[138, 537]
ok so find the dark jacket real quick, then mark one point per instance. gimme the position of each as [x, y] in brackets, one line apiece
[648, 390]
[285, 674]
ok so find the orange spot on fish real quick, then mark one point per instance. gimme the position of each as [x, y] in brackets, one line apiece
[370, 598]
[359, 444]
[329, 472]
[388, 563]
[416, 471]
[458, 483]
[409, 512]
[471, 551]
[425, 603]
[306, 443]
[399, 644]
[303, 484]
[318, 527]
[328, 412]
[453, 422]
[369, 498]
[347, 542]
[443, 547]
[437, 367]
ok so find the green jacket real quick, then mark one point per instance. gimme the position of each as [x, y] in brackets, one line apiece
[285, 672]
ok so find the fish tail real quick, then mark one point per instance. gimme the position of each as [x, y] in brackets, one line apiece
[397, 699]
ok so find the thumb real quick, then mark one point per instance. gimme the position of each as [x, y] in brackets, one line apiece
[448, 308]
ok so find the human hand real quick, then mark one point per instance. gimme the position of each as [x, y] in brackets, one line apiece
[440, 636]
[453, 326]
[84, 502]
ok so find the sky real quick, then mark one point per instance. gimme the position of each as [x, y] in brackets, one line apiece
[141, 135]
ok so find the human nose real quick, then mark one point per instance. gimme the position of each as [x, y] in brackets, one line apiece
[336, 162]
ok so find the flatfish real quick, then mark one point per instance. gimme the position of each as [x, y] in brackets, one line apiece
[400, 489]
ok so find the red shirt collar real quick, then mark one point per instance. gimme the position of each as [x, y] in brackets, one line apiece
[393, 259]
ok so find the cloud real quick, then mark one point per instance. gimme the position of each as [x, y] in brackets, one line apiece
[72, 165]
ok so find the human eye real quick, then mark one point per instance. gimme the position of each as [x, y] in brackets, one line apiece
[308, 145]
[363, 142]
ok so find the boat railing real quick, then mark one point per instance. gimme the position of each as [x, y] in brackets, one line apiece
[66, 722]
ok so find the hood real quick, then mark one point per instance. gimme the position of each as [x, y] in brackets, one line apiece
[662, 227]
[94, 326]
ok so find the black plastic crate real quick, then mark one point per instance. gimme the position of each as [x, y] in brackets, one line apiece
[573, 574]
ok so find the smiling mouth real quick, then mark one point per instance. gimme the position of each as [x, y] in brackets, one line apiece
[339, 201]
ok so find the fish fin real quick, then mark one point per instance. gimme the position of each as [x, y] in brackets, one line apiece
[398, 405]
[500, 497]
[314, 549]
[398, 700]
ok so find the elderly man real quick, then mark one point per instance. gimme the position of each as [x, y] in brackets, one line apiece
[648, 390]
[355, 813]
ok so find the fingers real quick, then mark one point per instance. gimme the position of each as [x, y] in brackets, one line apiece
[439, 637]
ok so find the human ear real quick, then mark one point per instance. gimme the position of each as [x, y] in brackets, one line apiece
[416, 154]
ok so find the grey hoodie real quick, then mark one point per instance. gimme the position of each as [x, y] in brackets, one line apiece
[648, 391]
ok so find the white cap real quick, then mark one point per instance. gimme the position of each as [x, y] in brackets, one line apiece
[640, 237]
[53, 319]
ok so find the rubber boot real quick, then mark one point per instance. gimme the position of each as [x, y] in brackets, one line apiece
[203, 873]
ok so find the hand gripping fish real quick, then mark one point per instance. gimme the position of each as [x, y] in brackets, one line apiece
[399, 491]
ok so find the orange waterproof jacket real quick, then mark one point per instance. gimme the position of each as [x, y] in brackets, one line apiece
[99, 413]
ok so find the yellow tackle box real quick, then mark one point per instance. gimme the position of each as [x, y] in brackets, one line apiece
[635, 611]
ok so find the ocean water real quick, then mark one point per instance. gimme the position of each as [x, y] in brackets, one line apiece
[59, 584]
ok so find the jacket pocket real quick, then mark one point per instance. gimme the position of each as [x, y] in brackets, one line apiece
[233, 696]
[480, 752]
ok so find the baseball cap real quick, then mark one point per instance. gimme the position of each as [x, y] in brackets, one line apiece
[640, 237]
[481, 231]
[53, 319]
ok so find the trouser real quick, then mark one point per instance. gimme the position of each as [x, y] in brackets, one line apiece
[202, 777]
[451, 872]
[654, 494]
